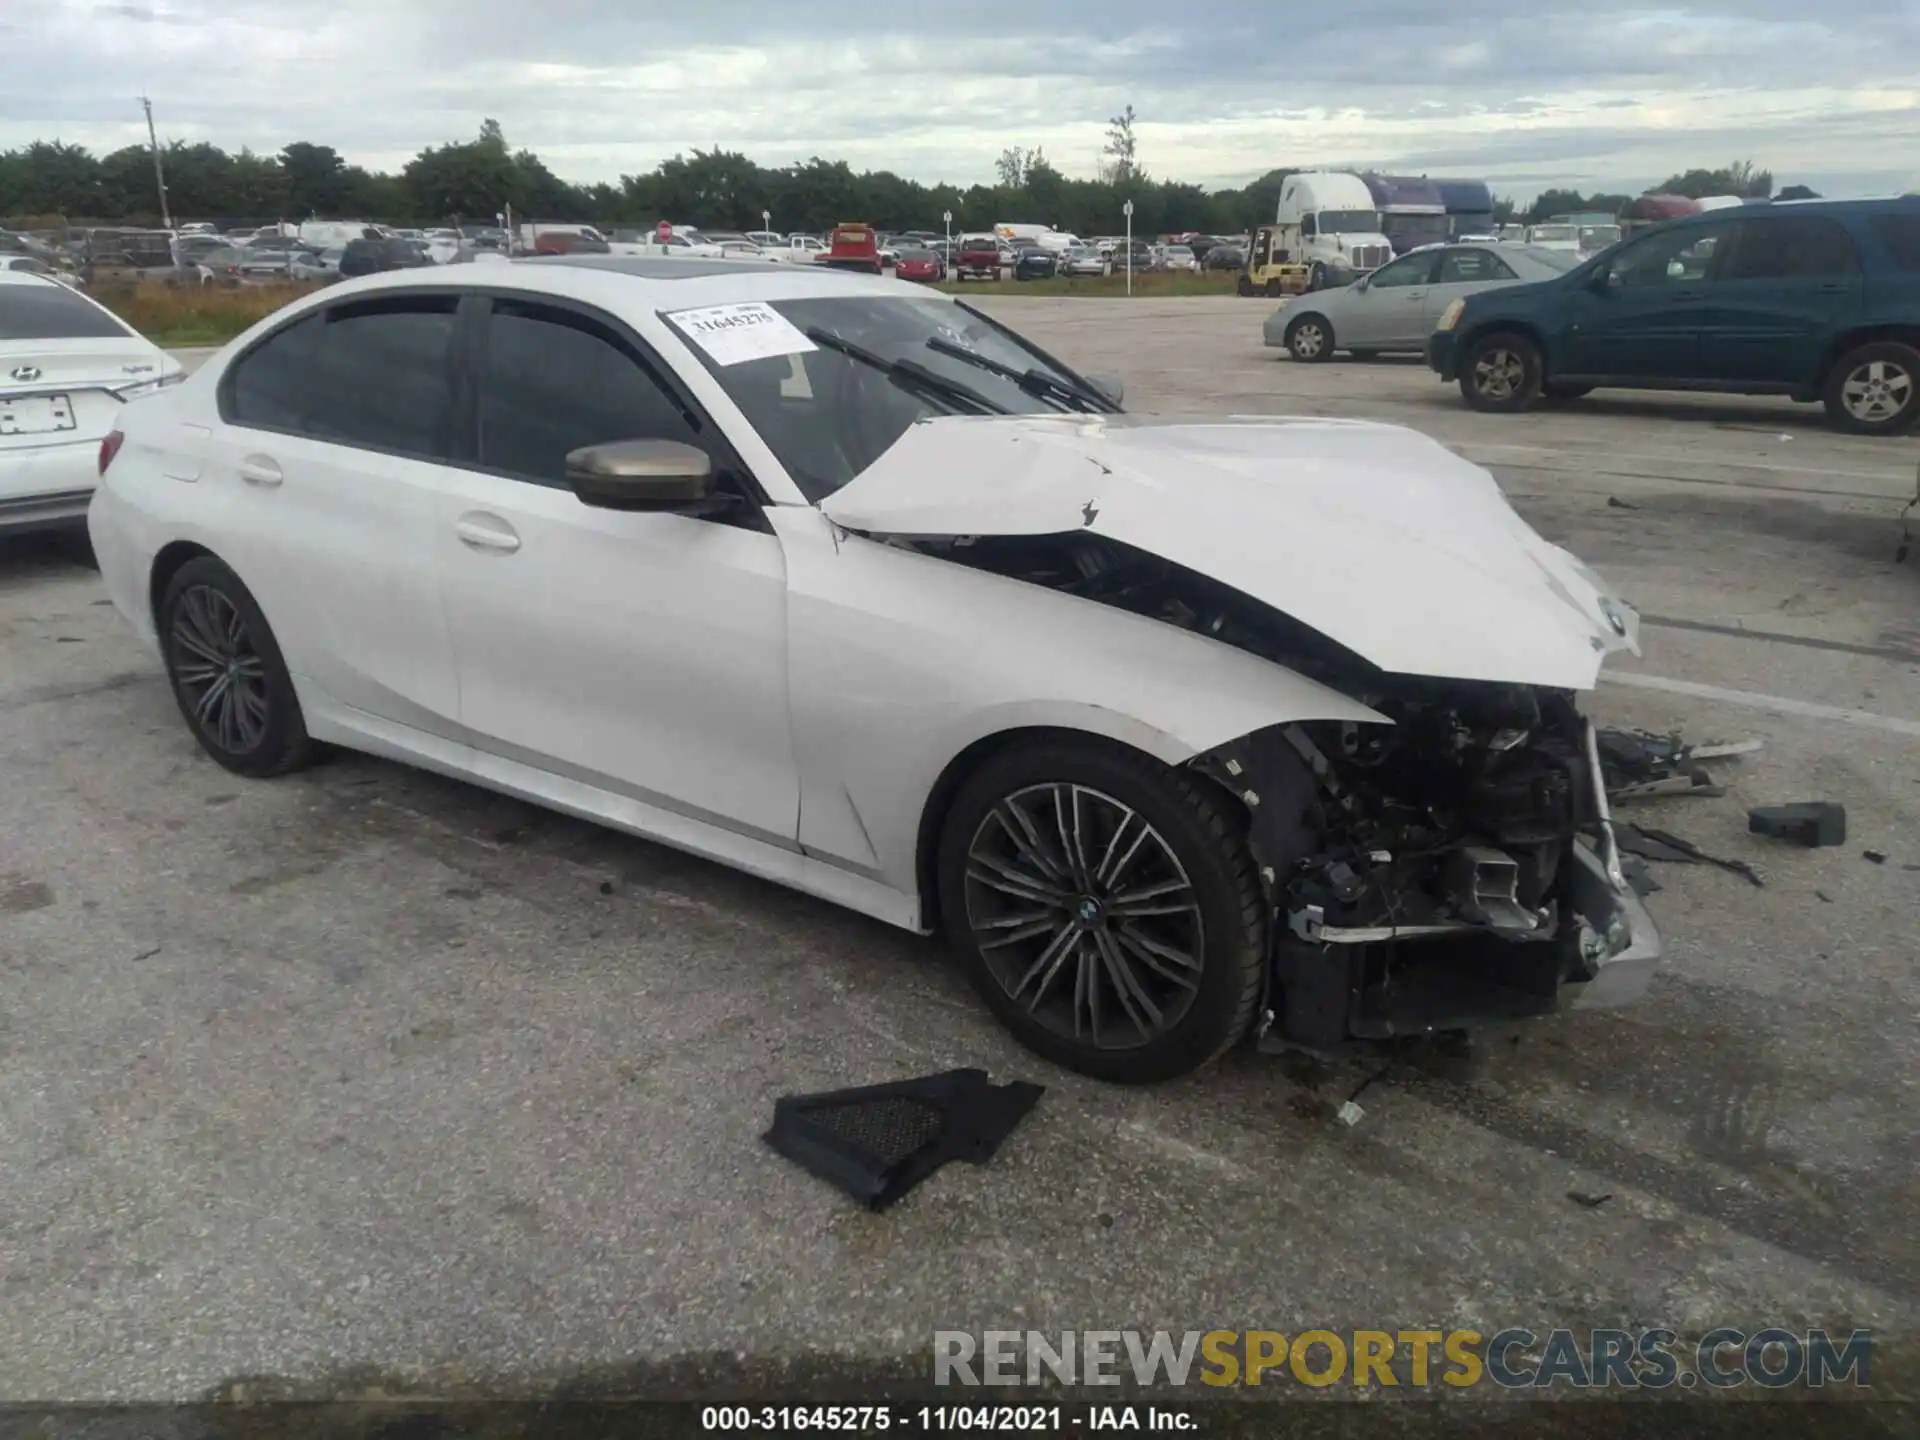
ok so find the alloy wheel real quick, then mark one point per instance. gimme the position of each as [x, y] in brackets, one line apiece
[1499, 374]
[220, 674]
[1083, 914]
[1876, 392]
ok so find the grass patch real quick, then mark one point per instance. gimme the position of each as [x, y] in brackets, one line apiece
[198, 314]
[1152, 283]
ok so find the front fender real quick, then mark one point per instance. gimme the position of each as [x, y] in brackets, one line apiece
[899, 661]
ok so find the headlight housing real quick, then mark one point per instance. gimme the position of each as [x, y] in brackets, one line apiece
[1450, 316]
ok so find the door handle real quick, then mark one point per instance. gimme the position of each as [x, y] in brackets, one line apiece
[480, 531]
[261, 470]
[1834, 287]
[1688, 294]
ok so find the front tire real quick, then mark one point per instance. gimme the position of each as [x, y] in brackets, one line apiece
[1501, 373]
[1105, 907]
[1875, 389]
[227, 673]
[1310, 340]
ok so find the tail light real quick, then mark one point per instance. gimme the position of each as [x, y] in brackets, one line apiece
[110, 444]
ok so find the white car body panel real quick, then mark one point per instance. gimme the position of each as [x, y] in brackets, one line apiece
[1288, 512]
[899, 661]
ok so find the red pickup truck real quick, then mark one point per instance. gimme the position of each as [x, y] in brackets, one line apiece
[977, 258]
[853, 247]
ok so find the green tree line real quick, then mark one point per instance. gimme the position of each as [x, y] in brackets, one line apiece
[718, 189]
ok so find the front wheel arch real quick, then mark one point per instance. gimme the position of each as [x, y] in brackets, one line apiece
[933, 813]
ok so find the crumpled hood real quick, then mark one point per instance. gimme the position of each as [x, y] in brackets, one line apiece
[1375, 535]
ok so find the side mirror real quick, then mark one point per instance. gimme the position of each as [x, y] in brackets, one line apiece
[1603, 280]
[1363, 282]
[1110, 386]
[641, 475]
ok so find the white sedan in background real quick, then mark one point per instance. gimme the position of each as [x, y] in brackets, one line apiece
[843, 583]
[68, 367]
[1396, 307]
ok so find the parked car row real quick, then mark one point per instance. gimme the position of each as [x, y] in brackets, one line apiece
[1816, 301]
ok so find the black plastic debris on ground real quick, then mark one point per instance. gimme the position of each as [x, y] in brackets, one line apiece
[879, 1141]
[1813, 823]
[1637, 764]
[1651, 844]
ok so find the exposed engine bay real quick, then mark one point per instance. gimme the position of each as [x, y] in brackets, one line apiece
[1419, 872]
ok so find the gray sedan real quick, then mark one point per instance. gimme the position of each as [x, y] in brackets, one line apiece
[1395, 307]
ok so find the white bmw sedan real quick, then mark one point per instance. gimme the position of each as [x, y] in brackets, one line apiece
[68, 367]
[1179, 730]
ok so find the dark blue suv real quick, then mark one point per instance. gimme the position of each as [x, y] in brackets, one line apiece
[1816, 300]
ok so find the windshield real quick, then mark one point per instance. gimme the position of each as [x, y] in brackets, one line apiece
[828, 415]
[50, 311]
[1551, 232]
[1598, 237]
[1407, 231]
[1348, 222]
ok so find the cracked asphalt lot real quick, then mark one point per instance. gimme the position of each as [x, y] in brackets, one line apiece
[369, 1073]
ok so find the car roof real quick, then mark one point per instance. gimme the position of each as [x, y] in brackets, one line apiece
[1840, 209]
[620, 281]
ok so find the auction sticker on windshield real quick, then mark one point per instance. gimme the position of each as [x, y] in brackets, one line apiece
[735, 334]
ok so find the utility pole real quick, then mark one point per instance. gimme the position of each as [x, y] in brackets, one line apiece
[159, 175]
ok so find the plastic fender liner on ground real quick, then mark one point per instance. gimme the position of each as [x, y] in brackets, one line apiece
[879, 1141]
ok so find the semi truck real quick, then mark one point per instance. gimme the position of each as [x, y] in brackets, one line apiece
[1326, 232]
[1469, 208]
[1412, 212]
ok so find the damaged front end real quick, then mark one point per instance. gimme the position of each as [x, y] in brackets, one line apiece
[1453, 868]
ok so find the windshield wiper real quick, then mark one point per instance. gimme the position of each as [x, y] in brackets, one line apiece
[1014, 337]
[1035, 381]
[914, 378]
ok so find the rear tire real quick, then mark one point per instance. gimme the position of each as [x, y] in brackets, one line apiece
[1134, 991]
[227, 673]
[1310, 340]
[1501, 373]
[1875, 389]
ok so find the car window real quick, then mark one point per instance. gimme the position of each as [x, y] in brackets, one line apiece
[1466, 267]
[1682, 256]
[1899, 236]
[1409, 270]
[1785, 247]
[371, 374]
[553, 381]
[46, 310]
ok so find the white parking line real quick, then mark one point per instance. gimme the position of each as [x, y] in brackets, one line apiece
[1776, 704]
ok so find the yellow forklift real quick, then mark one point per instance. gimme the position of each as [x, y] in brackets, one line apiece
[1271, 269]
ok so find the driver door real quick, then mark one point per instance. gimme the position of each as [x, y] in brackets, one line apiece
[639, 653]
[1390, 311]
[1642, 315]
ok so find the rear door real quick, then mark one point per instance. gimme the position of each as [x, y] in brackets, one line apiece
[322, 480]
[1464, 270]
[1638, 319]
[1788, 282]
[1388, 310]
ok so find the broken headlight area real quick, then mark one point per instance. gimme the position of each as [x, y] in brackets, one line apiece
[1429, 874]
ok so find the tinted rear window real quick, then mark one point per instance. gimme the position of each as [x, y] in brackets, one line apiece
[46, 310]
[1899, 236]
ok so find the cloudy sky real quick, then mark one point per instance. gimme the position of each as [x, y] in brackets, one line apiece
[1527, 95]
